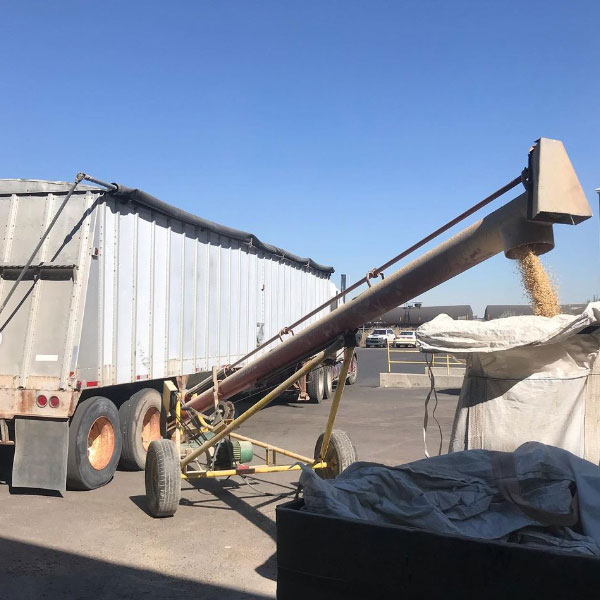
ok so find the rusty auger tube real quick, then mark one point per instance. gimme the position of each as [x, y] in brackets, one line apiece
[502, 230]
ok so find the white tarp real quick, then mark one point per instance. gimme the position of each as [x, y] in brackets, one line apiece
[527, 378]
[538, 496]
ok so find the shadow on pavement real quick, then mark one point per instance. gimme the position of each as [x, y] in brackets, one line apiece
[221, 492]
[31, 572]
[214, 492]
[450, 391]
[268, 569]
[289, 399]
[140, 502]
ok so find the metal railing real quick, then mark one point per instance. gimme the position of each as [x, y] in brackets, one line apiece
[435, 360]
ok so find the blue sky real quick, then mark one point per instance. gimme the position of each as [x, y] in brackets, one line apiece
[341, 130]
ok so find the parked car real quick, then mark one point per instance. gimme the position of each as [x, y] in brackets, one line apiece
[380, 338]
[405, 338]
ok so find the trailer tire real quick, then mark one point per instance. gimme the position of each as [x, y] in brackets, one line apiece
[94, 444]
[140, 425]
[315, 386]
[353, 372]
[340, 454]
[163, 478]
[327, 382]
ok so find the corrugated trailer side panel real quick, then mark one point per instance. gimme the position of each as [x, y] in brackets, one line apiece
[177, 299]
[160, 295]
[42, 321]
[144, 265]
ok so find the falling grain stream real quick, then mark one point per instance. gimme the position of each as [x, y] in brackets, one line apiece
[537, 284]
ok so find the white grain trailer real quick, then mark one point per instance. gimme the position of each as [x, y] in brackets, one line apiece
[125, 292]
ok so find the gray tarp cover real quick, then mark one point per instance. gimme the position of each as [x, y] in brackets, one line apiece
[537, 495]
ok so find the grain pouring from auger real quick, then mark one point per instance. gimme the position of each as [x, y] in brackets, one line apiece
[537, 284]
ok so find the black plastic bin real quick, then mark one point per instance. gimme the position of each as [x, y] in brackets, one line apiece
[321, 557]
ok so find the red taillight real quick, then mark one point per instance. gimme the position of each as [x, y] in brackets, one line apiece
[42, 401]
[54, 401]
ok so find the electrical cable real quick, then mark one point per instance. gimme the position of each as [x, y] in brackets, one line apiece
[246, 480]
[426, 415]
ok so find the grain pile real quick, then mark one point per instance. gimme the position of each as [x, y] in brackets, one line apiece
[537, 285]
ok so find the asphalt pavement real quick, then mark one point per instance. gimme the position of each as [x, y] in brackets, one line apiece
[221, 541]
[374, 361]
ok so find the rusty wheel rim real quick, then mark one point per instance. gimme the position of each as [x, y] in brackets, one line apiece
[150, 427]
[333, 465]
[100, 443]
[331, 471]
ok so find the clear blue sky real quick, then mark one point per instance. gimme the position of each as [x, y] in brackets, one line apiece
[342, 130]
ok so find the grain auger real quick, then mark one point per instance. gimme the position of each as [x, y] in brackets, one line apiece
[200, 437]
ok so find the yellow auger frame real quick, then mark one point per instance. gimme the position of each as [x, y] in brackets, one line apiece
[227, 428]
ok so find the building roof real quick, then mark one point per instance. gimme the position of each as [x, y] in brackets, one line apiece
[499, 311]
[409, 316]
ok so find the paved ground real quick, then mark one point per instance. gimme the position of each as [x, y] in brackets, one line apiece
[221, 542]
[375, 361]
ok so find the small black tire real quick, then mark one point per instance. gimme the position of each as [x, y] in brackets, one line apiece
[94, 444]
[353, 371]
[315, 386]
[340, 454]
[327, 382]
[163, 478]
[140, 425]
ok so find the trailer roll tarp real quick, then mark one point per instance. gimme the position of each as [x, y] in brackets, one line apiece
[141, 197]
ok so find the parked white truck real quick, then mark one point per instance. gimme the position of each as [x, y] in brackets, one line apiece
[125, 292]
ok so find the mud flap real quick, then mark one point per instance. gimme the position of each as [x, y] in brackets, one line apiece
[41, 448]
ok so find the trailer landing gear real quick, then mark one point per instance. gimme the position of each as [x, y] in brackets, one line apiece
[203, 449]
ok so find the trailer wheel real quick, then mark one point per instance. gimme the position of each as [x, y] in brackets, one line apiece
[163, 478]
[353, 371]
[327, 382]
[140, 425]
[94, 444]
[315, 386]
[340, 454]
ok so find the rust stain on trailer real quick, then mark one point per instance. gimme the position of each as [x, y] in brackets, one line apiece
[23, 403]
[181, 382]
[26, 403]
[74, 401]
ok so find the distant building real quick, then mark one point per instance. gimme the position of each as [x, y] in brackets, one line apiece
[413, 316]
[499, 311]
